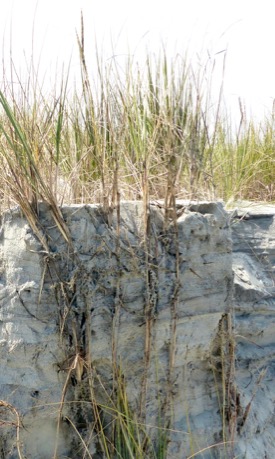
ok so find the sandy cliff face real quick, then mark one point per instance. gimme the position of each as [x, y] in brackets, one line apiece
[146, 302]
[253, 233]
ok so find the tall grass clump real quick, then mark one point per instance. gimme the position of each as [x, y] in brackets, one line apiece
[245, 161]
[85, 145]
[89, 143]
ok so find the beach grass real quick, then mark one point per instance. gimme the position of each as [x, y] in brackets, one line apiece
[91, 143]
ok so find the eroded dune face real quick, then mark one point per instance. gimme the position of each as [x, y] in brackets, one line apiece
[142, 301]
[253, 235]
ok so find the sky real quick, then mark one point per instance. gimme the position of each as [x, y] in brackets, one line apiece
[45, 30]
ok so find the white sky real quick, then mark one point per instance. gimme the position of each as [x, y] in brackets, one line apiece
[244, 27]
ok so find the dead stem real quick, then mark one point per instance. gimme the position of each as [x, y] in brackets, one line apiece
[18, 424]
